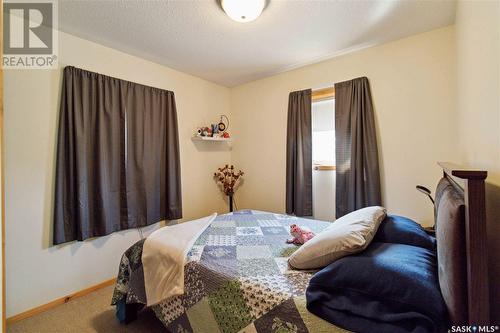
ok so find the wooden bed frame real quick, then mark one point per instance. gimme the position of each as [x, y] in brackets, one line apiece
[470, 185]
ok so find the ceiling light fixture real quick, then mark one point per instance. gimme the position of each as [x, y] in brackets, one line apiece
[243, 10]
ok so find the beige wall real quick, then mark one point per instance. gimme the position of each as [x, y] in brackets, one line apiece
[413, 87]
[37, 273]
[478, 106]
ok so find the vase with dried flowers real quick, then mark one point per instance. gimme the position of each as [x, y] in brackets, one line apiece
[228, 179]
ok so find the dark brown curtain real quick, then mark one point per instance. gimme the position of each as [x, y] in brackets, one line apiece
[299, 154]
[153, 167]
[117, 157]
[357, 175]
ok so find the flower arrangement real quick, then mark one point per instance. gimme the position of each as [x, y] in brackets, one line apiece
[228, 178]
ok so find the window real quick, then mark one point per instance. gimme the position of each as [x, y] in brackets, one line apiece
[323, 157]
[323, 133]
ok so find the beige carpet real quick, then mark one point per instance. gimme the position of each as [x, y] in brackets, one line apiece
[90, 313]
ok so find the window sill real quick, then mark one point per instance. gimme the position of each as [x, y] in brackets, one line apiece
[324, 167]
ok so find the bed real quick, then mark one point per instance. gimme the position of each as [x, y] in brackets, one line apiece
[236, 276]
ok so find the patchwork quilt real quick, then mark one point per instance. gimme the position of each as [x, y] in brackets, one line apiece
[237, 279]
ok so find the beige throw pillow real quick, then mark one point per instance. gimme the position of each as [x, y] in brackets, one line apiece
[349, 234]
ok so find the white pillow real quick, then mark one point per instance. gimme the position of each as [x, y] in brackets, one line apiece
[349, 234]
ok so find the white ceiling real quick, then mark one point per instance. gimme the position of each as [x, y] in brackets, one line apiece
[196, 37]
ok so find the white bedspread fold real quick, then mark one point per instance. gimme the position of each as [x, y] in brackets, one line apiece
[164, 256]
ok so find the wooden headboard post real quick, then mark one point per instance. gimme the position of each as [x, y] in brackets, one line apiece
[472, 183]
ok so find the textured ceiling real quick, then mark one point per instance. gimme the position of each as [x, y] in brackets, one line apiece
[196, 37]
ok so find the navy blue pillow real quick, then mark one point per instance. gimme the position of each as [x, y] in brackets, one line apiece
[402, 230]
[386, 288]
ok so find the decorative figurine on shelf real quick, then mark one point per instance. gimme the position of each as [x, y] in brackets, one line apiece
[215, 130]
[300, 234]
[227, 178]
[202, 131]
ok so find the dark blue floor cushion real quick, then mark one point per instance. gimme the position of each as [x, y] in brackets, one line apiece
[402, 230]
[386, 288]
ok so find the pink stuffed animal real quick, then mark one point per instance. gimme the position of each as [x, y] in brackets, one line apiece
[300, 235]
